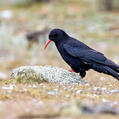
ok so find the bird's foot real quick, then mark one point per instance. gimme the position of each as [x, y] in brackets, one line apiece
[81, 74]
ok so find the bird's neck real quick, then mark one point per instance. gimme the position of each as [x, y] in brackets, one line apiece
[62, 41]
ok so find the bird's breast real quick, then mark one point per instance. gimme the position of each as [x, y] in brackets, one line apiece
[74, 62]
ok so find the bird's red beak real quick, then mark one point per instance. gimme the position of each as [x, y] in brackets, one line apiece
[47, 44]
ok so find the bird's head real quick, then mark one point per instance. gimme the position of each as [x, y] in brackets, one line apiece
[56, 35]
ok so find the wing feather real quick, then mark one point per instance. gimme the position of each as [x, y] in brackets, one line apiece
[86, 55]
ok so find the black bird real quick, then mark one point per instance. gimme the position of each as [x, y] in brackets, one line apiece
[81, 57]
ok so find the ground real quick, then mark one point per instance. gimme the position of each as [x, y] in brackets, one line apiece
[33, 100]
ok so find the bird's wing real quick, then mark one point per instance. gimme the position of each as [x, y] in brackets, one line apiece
[88, 56]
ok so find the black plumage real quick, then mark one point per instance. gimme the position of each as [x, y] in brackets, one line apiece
[81, 57]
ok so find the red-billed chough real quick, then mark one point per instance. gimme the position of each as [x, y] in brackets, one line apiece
[81, 57]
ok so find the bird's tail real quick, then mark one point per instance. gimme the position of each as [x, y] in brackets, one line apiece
[106, 70]
[113, 65]
[111, 72]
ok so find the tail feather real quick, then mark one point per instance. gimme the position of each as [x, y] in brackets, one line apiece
[111, 72]
[112, 65]
[105, 70]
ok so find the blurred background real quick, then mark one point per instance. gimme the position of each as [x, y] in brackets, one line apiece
[25, 25]
[24, 29]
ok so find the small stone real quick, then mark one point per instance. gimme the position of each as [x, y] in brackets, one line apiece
[56, 91]
[103, 90]
[1, 102]
[11, 87]
[102, 78]
[96, 88]
[40, 103]
[6, 14]
[25, 89]
[87, 84]
[110, 85]
[34, 100]
[3, 75]
[67, 96]
[79, 91]
[34, 86]
[27, 110]
[104, 100]
[114, 91]
[51, 93]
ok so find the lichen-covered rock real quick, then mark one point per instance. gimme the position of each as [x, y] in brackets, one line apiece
[46, 73]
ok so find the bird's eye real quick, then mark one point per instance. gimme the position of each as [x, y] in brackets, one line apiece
[54, 35]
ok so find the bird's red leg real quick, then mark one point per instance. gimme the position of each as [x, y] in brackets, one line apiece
[71, 70]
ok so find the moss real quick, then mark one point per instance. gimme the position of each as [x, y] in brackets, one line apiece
[5, 96]
[9, 81]
[27, 77]
[27, 80]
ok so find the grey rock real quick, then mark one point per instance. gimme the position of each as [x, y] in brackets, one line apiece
[101, 109]
[76, 107]
[49, 74]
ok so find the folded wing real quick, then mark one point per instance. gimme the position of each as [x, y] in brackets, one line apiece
[89, 56]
